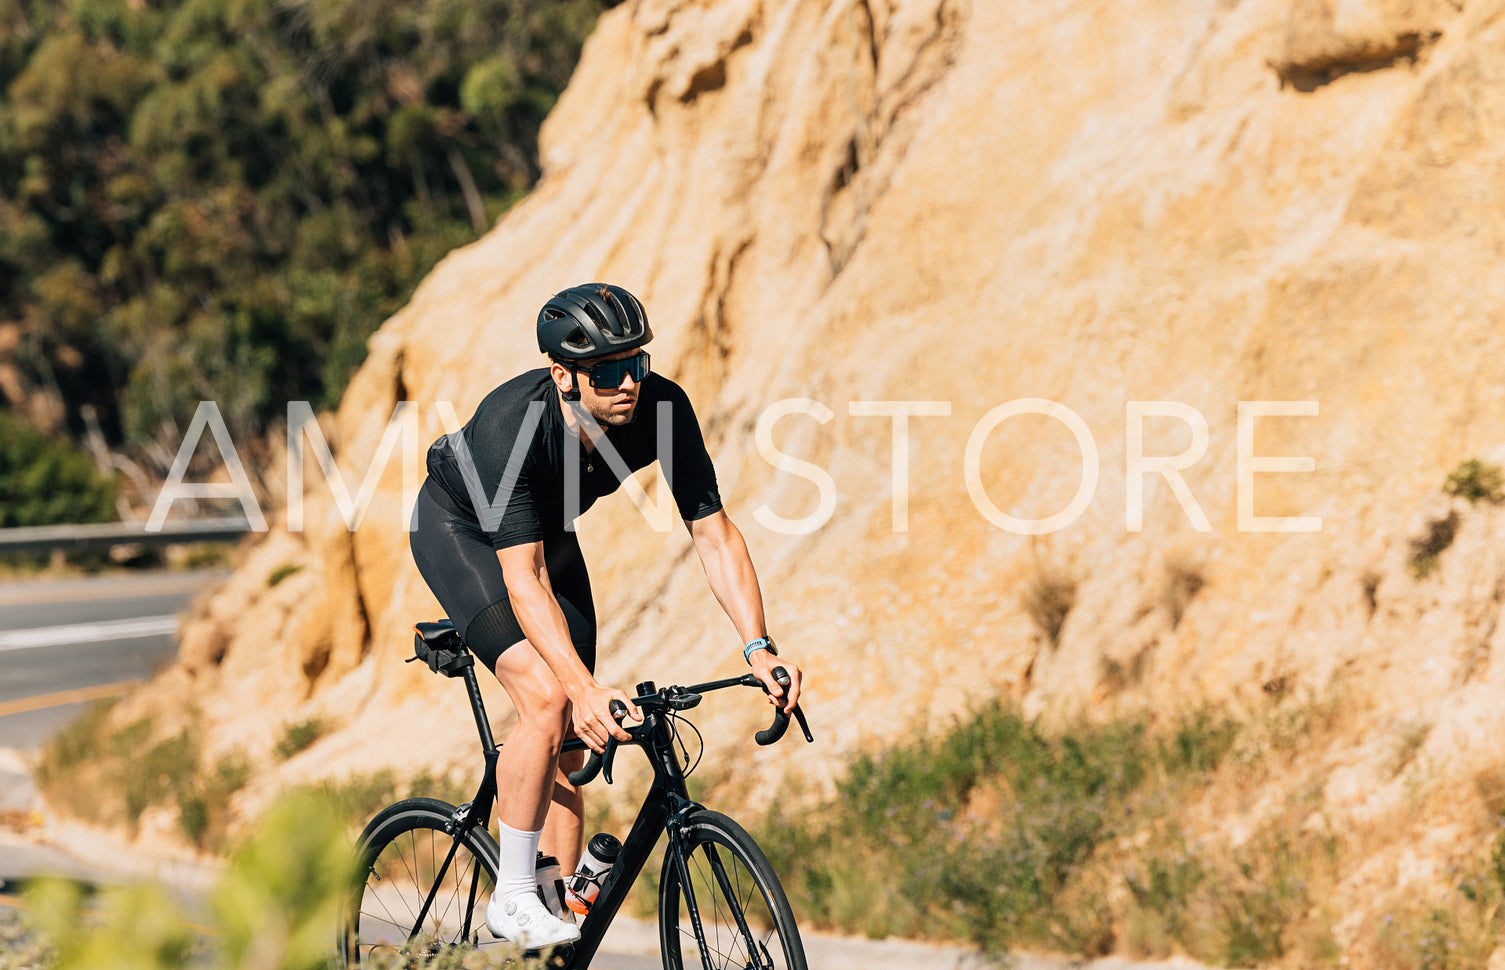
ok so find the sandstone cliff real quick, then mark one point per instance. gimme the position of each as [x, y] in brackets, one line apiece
[976, 201]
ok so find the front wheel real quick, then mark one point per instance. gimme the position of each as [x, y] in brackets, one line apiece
[406, 890]
[745, 920]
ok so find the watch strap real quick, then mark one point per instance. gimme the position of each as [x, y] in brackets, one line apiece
[761, 643]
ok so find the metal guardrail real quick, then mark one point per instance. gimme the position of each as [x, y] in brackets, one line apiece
[82, 538]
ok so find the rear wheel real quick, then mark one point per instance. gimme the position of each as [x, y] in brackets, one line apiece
[745, 920]
[402, 862]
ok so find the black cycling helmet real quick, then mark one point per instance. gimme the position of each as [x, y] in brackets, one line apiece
[591, 320]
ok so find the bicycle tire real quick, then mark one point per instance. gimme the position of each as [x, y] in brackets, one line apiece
[399, 853]
[755, 901]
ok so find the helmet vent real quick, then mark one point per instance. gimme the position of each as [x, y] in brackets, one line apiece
[621, 311]
[597, 317]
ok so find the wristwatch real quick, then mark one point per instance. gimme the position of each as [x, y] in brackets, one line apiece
[762, 643]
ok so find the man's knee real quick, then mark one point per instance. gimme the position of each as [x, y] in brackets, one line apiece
[547, 702]
[535, 691]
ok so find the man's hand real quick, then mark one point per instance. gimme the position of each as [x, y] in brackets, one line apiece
[763, 663]
[591, 714]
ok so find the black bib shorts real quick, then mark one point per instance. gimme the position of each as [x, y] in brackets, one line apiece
[458, 562]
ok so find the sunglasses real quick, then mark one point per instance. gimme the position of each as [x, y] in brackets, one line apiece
[609, 373]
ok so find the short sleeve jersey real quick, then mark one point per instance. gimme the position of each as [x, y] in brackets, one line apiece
[516, 465]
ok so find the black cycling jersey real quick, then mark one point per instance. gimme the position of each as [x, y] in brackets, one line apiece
[520, 451]
[520, 444]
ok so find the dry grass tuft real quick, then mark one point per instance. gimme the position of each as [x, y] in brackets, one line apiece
[1048, 600]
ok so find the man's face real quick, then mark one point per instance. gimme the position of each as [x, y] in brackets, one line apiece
[610, 406]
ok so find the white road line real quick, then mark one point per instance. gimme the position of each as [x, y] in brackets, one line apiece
[53, 636]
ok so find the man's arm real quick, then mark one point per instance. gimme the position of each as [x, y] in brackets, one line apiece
[527, 580]
[729, 568]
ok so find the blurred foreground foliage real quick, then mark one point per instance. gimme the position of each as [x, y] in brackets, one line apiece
[222, 199]
[275, 908]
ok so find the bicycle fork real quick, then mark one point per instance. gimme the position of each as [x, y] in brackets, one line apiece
[682, 865]
[460, 823]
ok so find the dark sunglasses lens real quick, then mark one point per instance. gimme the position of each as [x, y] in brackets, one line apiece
[611, 372]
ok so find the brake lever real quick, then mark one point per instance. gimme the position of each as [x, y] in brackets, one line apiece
[606, 759]
[619, 713]
[799, 716]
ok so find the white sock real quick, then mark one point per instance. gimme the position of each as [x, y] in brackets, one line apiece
[517, 854]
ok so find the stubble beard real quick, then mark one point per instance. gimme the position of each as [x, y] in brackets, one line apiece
[608, 418]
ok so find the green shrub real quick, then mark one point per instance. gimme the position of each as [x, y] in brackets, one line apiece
[103, 774]
[1426, 550]
[204, 806]
[45, 481]
[283, 572]
[987, 831]
[298, 736]
[206, 555]
[163, 773]
[1161, 886]
[357, 798]
[79, 742]
[1477, 481]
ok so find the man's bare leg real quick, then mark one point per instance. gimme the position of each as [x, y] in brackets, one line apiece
[565, 824]
[525, 772]
[527, 764]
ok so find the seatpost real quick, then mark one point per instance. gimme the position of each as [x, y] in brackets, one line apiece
[478, 708]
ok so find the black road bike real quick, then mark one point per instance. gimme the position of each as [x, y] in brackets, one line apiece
[427, 868]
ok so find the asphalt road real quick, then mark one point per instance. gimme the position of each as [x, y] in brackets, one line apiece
[64, 643]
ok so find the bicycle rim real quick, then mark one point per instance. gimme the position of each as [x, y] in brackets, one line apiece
[402, 855]
[745, 917]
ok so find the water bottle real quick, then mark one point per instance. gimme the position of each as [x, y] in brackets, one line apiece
[585, 885]
[551, 886]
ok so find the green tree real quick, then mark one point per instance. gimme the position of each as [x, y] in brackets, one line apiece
[222, 199]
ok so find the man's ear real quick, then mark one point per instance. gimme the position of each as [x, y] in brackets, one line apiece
[566, 380]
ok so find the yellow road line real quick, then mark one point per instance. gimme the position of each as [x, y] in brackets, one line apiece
[73, 696]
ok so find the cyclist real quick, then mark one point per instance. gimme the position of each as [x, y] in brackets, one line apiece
[493, 537]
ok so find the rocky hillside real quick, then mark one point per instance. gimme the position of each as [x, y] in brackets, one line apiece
[974, 202]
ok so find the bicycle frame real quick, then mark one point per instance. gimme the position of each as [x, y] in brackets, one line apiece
[663, 810]
[666, 802]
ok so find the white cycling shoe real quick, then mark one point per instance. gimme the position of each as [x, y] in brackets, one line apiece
[525, 920]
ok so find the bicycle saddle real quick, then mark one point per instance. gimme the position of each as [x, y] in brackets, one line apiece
[439, 633]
